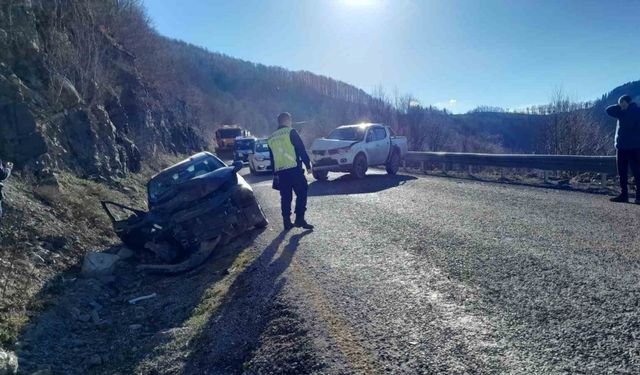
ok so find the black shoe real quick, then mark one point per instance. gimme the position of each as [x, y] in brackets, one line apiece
[303, 224]
[620, 199]
[288, 224]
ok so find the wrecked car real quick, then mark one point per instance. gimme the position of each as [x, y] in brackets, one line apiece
[193, 206]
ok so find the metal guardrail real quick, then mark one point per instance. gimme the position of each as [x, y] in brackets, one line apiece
[599, 164]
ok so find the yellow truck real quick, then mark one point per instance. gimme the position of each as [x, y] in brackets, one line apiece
[226, 137]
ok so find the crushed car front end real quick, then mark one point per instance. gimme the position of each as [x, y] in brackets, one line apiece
[195, 202]
[232, 210]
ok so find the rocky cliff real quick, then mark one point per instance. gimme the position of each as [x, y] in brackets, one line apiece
[72, 97]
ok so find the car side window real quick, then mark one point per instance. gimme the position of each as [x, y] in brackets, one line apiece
[380, 133]
[371, 136]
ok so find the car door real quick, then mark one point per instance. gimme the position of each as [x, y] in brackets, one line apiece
[383, 143]
[377, 146]
[371, 148]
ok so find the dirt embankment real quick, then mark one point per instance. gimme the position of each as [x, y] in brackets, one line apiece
[45, 232]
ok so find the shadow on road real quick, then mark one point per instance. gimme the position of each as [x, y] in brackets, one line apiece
[348, 184]
[232, 333]
[256, 178]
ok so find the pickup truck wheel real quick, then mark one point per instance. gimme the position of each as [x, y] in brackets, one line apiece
[393, 164]
[321, 175]
[359, 169]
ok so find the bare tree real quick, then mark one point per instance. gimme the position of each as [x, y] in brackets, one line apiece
[570, 129]
[381, 108]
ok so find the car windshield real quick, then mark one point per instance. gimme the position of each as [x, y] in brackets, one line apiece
[159, 185]
[244, 144]
[262, 147]
[229, 133]
[351, 133]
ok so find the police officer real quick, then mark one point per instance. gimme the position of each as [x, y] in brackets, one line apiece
[5, 172]
[287, 156]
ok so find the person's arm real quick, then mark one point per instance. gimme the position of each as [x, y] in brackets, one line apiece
[614, 110]
[5, 172]
[301, 151]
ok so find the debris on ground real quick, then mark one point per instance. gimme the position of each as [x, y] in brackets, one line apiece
[142, 298]
[98, 264]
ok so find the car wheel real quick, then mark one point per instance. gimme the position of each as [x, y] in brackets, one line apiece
[321, 175]
[393, 164]
[359, 169]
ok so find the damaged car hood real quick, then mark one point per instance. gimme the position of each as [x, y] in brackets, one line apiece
[193, 190]
[324, 144]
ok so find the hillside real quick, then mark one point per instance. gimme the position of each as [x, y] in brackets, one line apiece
[225, 90]
[89, 86]
[515, 132]
[71, 97]
[520, 132]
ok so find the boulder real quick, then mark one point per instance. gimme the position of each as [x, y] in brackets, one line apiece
[98, 264]
[8, 363]
[125, 253]
[48, 186]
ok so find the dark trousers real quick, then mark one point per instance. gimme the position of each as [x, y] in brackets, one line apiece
[628, 159]
[293, 181]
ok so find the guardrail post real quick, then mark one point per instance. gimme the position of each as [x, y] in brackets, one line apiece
[422, 168]
[603, 178]
[444, 168]
[404, 165]
[469, 170]
[546, 177]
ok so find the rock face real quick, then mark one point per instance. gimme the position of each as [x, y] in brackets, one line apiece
[8, 363]
[98, 264]
[55, 113]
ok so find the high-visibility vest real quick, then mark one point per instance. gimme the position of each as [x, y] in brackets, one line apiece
[284, 154]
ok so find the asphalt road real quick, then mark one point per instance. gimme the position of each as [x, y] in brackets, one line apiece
[420, 275]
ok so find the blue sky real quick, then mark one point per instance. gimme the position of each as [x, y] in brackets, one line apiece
[457, 54]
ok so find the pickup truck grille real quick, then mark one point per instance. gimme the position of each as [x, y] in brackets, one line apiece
[325, 162]
[318, 152]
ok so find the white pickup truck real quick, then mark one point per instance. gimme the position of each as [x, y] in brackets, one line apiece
[355, 148]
